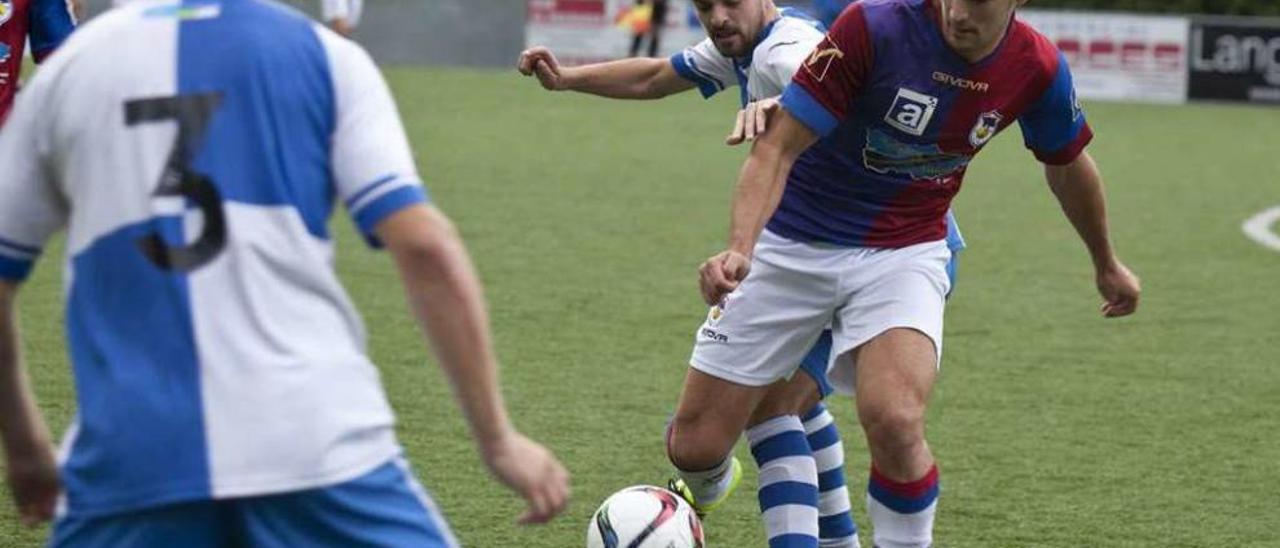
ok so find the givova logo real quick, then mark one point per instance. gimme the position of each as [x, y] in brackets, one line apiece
[911, 111]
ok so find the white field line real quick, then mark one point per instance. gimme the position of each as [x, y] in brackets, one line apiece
[1258, 228]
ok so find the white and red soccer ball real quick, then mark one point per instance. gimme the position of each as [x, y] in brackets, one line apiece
[644, 516]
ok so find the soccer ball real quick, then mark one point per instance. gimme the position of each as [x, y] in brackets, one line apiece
[644, 516]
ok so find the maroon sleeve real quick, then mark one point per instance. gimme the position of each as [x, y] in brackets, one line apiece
[839, 66]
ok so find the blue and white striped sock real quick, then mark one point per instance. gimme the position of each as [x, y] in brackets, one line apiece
[788, 482]
[836, 528]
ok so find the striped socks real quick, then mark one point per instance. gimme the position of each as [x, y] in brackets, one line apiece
[788, 491]
[902, 513]
[836, 528]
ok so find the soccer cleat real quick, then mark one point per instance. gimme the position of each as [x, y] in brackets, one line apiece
[679, 487]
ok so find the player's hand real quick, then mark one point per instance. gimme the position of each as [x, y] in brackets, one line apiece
[721, 274]
[1120, 289]
[539, 61]
[532, 471]
[33, 479]
[752, 121]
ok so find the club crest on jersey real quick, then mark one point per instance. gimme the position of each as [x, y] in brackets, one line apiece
[911, 111]
[6, 13]
[714, 315]
[4, 52]
[986, 128]
[819, 62]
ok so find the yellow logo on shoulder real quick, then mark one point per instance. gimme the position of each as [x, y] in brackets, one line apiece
[820, 60]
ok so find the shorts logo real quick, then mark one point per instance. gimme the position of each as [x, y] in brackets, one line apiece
[820, 60]
[713, 317]
[1077, 110]
[986, 128]
[714, 335]
[911, 111]
[6, 11]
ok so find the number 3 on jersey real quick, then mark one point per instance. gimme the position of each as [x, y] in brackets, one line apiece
[192, 113]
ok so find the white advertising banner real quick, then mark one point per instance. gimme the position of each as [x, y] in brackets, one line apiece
[588, 31]
[1120, 57]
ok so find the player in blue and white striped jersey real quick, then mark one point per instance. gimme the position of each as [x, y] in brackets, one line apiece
[194, 153]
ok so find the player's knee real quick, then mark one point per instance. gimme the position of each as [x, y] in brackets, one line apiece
[806, 402]
[769, 409]
[694, 444]
[794, 397]
[893, 428]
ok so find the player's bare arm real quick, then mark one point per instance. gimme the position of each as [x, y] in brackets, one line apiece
[635, 78]
[1078, 188]
[31, 470]
[760, 185]
[446, 297]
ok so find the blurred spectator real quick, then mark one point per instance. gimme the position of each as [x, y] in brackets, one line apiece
[341, 15]
[653, 30]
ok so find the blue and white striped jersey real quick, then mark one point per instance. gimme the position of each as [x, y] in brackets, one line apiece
[194, 153]
[780, 48]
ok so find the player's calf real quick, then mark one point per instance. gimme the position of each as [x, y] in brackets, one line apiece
[709, 419]
[895, 374]
[903, 488]
[836, 528]
[704, 487]
[706, 471]
[788, 492]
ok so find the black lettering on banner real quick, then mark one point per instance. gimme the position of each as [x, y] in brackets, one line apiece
[192, 113]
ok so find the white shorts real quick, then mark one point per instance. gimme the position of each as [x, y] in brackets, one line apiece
[763, 329]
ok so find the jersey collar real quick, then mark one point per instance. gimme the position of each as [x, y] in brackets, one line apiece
[744, 62]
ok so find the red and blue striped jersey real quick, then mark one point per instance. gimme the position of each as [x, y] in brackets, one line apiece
[46, 22]
[901, 115]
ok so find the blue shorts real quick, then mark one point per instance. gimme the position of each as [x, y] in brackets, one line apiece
[815, 362]
[383, 508]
